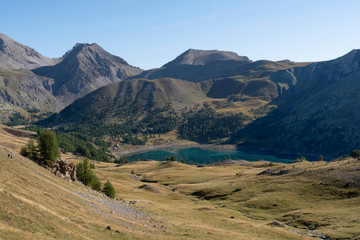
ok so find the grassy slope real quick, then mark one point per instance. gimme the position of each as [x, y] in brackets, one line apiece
[39, 205]
[34, 204]
[309, 194]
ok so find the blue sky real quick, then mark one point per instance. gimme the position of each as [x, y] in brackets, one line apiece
[149, 33]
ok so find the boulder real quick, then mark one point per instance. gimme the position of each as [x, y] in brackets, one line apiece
[64, 169]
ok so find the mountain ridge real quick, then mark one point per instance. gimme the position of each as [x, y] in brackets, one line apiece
[14, 55]
[318, 113]
[84, 68]
[202, 57]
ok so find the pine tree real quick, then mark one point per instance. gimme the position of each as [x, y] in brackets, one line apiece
[95, 183]
[49, 148]
[83, 172]
[109, 189]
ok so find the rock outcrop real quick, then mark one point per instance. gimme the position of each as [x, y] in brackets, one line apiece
[64, 169]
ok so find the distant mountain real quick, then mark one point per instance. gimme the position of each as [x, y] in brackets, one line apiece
[14, 55]
[135, 98]
[202, 65]
[202, 57]
[19, 87]
[319, 112]
[84, 69]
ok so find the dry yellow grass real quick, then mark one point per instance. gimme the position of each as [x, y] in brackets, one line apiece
[178, 201]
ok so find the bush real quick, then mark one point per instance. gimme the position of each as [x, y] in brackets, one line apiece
[121, 160]
[85, 175]
[95, 183]
[355, 153]
[321, 158]
[49, 148]
[109, 189]
[83, 172]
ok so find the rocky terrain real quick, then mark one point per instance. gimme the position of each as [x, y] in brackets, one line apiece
[14, 55]
[29, 80]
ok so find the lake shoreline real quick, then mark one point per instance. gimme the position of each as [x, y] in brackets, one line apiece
[126, 152]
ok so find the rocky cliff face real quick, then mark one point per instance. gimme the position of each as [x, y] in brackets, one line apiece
[84, 69]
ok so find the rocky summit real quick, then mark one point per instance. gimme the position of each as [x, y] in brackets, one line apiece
[84, 69]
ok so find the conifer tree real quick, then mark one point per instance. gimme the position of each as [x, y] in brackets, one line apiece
[109, 189]
[49, 148]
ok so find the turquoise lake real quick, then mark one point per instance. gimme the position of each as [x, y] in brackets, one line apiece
[202, 156]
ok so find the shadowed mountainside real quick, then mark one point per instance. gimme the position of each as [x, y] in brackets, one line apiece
[318, 113]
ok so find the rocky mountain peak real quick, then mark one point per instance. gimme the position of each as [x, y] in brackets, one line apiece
[91, 54]
[83, 69]
[14, 55]
[203, 57]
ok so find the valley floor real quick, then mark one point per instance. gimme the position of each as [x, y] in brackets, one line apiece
[171, 200]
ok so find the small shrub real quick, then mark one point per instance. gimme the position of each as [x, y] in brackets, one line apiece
[109, 189]
[355, 153]
[92, 165]
[30, 150]
[321, 158]
[95, 183]
[121, 160]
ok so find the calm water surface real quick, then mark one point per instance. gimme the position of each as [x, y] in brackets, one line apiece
[202, 156]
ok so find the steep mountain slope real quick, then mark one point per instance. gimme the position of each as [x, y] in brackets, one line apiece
[19, 87]
[35, 204]
[14, 55]
[83, 69]
[24, 89]
[319, 113]
[132, 98]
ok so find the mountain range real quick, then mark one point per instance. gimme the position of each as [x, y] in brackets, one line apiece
[300, 107]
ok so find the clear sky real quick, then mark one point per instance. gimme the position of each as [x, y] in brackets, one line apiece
[150, 33]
